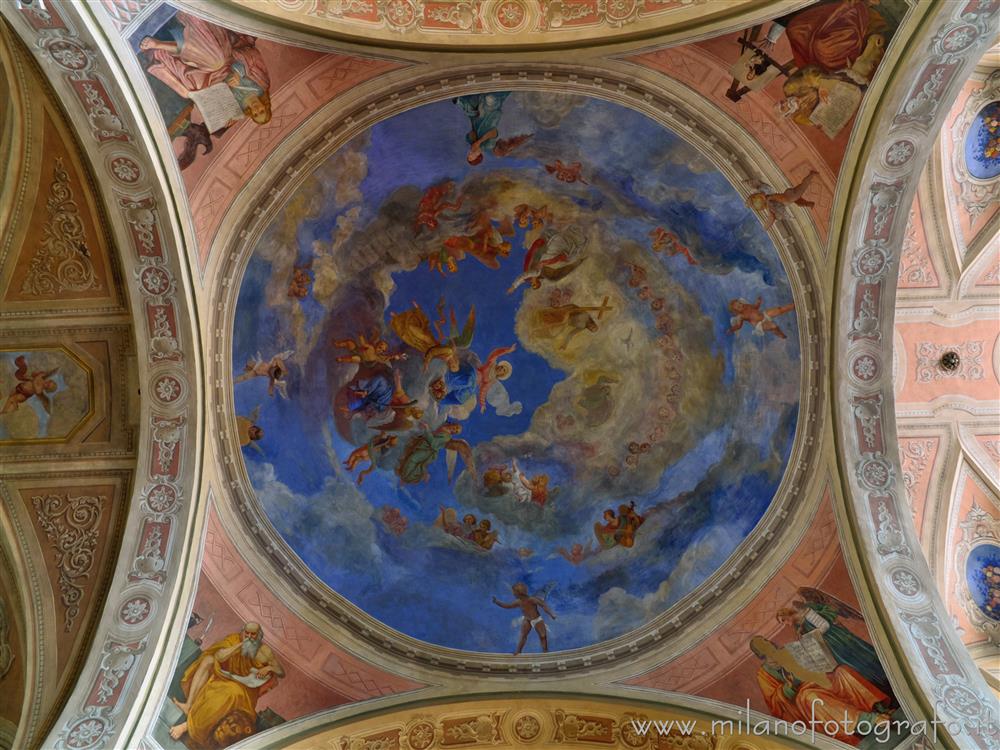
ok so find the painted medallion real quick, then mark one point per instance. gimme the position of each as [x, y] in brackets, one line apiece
[982, 572]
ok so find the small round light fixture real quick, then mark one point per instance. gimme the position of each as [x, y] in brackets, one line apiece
[950, 361]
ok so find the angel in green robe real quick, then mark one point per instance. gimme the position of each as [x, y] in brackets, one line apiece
[423, 449]
[820, 611]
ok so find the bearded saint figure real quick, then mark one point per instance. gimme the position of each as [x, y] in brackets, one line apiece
[222, 687]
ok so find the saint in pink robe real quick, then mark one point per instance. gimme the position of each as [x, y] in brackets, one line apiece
[206, 57]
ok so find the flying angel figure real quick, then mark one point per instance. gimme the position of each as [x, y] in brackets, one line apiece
[36, 385]
[423, 449]
[414, 327]
[566, 172]
[765, 200]
[249, 431]
[274, 369]
[552, 257]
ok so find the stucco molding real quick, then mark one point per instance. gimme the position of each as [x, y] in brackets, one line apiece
[981, 525]
[429, 26]
[72, 56]
[948, 680]
[976, 195]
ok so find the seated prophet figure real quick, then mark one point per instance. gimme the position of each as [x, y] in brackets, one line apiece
[221, 689]
[822, 612]
[201, 54]
[841, 701]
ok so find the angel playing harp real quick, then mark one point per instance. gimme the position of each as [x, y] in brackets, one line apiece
[817, 611]
[274, 369]
[764, 199]
[34, 385]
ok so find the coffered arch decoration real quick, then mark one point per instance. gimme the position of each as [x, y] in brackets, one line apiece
[68, 417]
[668, 104]
[97, 517]
[895, 568]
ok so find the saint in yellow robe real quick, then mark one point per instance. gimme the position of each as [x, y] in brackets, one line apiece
[222, 701]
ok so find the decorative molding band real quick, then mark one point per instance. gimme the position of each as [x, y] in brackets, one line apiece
[876, 492]
[545, 722]
[106, 702]
[498, 24]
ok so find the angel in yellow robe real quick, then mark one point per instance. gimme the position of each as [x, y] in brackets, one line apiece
[414, 327]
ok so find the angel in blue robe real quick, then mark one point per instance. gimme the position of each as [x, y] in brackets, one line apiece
[484, 112]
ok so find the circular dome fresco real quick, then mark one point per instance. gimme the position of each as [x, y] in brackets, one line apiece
[516, 355]
[982, 143]
[982, 573]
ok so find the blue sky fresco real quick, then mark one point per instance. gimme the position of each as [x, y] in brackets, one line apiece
[627, 390]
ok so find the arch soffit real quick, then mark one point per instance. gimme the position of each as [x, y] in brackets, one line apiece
[881, 529]
[107, 698]
[421, 37]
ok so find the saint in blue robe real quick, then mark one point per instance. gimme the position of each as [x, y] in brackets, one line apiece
[483, 111]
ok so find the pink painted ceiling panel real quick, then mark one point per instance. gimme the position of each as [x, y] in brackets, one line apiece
[916, 266]
[925, 343]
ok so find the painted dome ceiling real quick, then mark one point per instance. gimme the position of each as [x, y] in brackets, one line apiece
[563, 353]
[414, 333]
